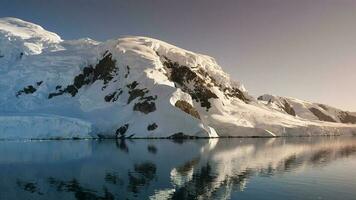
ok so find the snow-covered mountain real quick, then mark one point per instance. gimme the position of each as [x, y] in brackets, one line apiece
[307, 110]
[129, 87]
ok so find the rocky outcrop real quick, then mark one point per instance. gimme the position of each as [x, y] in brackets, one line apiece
[152, 127]
[183, 76]
[348, 118]
[125, 88]
[105, 70]
[29, 89]
[308, 110]
[280, 102]
[187, 108]
[288, 108]
[120, 132]
[321, 116]
[112, 97]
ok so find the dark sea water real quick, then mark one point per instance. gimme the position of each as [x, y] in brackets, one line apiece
[251, 168]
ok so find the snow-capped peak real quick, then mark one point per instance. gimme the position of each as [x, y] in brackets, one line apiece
[19, 38]
[26, 30]
[129, 87]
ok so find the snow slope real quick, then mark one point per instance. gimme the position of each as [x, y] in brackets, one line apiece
[19, 38]
[127, 87]
[308, 110]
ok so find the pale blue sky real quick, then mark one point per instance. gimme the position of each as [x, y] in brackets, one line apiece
[298, 48]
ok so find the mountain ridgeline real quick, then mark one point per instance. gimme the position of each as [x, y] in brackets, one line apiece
[136, 87]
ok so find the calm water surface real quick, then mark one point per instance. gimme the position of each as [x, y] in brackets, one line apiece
[263, 168]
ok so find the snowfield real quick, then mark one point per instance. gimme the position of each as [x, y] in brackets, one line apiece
[136, 87]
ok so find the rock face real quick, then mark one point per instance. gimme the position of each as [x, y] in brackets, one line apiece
[134, 87]
[321, 116]
[347, 117]
[308, 110]
[187, 108]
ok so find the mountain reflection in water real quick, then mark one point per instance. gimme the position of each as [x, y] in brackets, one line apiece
[166, 169]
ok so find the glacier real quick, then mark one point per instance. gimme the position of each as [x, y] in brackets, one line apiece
[136, 87]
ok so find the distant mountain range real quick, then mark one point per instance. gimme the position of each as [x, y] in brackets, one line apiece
[136, 87]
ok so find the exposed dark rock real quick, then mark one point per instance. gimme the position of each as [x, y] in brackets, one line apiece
[135, 93]
[323, 107]
[288, 108]
[120, 132]
[112, 97]
[181, 135]
[51, 95]
[149, 98]
[128, 71]
[203, 95]
[31, 187]
[105, 136]
[39, 83]
[152, 127]
[145, 104]
[235, 92]
[346, 117]
[71, 89]
[282, 103]
[182, 76]
[145, 107]
[132, 85]
[321, 116]
[26, 90]
[29, 89]
[80, 80]
[105, 70]
[187, 108]
[204, 73]
[202, 83]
